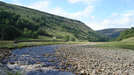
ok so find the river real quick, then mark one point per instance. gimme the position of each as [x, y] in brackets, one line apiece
[35, 61]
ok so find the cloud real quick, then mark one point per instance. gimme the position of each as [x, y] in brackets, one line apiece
[121, 20]
[45, 5]
[40, 5]
[17, 2]
[85, 13]
[79, 15]
[83, 1]
[116, 20]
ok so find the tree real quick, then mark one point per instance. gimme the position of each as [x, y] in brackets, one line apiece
[30, 33]
[8, 32]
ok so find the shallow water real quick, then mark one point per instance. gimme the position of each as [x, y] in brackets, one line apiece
[50, 73]
[32, 61]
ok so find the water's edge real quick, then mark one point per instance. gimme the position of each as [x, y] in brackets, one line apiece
[35, 61]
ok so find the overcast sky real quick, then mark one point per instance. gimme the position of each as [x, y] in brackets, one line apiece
[97, 14]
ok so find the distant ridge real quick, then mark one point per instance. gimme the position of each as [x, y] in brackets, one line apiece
[112, 33]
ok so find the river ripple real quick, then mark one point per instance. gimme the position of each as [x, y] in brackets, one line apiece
[31, 61]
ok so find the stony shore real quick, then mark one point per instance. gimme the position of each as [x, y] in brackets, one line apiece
[37, 60]
[87, 60]
[4, 53]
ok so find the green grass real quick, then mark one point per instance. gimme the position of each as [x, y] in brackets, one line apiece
[129, 44]
[126, 43]
[129, 40]
[6, 44]
[11, 44]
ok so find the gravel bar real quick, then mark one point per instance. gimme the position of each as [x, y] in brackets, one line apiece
[88, 60]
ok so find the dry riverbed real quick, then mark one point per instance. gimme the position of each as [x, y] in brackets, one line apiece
[88, 60]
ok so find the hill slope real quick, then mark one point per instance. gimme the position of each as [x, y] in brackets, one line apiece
[17, 22]
[126, 34]
[125, 40]
[131, 39]
[113, 32]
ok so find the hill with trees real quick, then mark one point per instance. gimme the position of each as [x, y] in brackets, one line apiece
[112, 33]
[126, 34]
[18, 22]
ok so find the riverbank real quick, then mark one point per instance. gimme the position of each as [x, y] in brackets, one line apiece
[86, 59]
[7, 46]
[35, 61]
[4, 53]
[117, 44]
[13, 45]
[80, 57]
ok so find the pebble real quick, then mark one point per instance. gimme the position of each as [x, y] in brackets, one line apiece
[99, 61]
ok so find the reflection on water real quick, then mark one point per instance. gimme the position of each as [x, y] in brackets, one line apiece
[32, 61]
[50, 73]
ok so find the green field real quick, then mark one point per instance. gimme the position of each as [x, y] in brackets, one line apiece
[126, 43]
[11, 44]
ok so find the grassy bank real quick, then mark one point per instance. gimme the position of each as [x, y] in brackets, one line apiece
[11, 44]
[118, 44]
[126, 43]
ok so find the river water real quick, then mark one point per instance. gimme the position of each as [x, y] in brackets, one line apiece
[32, 61]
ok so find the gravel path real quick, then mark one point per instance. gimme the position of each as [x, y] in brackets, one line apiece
[89, 60]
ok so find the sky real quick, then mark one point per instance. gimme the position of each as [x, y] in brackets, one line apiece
[97, 14]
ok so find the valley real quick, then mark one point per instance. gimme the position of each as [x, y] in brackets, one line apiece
[34, 42]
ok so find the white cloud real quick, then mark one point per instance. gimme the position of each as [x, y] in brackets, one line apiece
[84, 1]
[45, 5]
[116, 20]
[40, 5]
[17, 2]
[76, 15]
[95, 25]
[74, 1]
[92, 17]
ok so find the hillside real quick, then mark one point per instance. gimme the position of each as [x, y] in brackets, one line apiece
[131, 40]
[17, 22]
[126, 34]
[124, 40]
[113, 32]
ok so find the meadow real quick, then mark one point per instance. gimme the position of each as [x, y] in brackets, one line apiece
[126, 44]
[12, 44]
